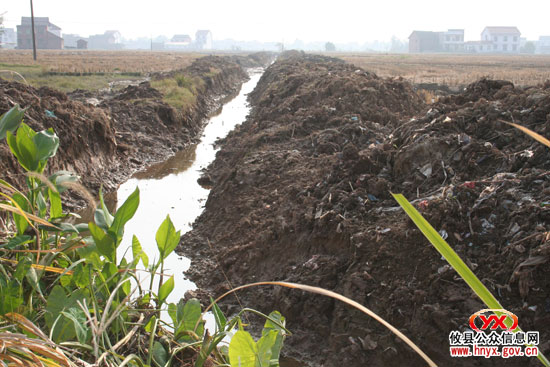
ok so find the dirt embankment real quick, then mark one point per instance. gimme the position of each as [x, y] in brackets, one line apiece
[128, 130]
[301, 192]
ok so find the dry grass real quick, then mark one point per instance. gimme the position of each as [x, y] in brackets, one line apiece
[455, 70]
[88, 61]
[68, 70]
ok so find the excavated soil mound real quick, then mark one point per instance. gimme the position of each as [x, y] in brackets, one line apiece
[301, 193]
[86, 134]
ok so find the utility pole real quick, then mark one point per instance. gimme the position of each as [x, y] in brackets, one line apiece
[33, 34]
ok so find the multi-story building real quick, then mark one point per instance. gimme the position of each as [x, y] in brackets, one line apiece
[48, 35]
[503, 39]
[203, 40]
[542, 46]
[424, 41]
[8, 38]
[110, 40]
[452, 40]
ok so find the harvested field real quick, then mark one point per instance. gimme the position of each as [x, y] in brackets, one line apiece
[457, 69]
[301, 193]
[90, 61]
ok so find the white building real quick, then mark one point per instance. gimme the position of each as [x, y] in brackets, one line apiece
[203, 40]
[452, 40]
[110, 40]
[542, 46]
[8, 38]
[478, 47]
[504, 39]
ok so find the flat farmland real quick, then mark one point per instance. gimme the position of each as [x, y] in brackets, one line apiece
[455, 69]
[88, 61]
[68, 70]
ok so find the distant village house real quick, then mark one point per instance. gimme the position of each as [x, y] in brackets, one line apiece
[82, 44]
[75, 41]
[543, 45]
[8, 38]
[110, 40]
[179, 42]
[203, 40]
[48, 35]
[425, 41]
[504, 39]
[493, 40]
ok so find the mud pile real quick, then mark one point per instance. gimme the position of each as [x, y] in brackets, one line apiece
[86, 134]
[301, 192]
[126, 131]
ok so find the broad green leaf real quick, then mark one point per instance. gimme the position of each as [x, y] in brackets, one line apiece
[10, 294]
[81, 275]
[26, 149]
[138, 252]
[61, 177]
[265, 348]
[56, 209]
[58, 301]
[242, 350]
[68, 227]
[81, 227]
[124, 214]
[149, 326]
[102, 217]
[165, 289]
[220, 318]
[187, 318]
[32, 278]
[454, 260]
[46, 143]
[172, 312]
[90, 253]
[41, 205]
[77, 316]
[21, 269]
[17, 241]
[103, 241]
[167, 238]
[11, 120]
[160, 355]
[20, 222]
[269, 327]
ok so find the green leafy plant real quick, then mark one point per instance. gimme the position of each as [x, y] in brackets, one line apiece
[69, 280]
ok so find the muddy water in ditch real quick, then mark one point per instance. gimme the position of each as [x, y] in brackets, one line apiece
[171, 188]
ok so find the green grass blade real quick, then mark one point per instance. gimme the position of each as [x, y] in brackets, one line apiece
[453, 259]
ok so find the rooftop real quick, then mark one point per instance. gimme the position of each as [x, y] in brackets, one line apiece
[505, 30]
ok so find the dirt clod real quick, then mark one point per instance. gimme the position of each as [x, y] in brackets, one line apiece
[301, 193]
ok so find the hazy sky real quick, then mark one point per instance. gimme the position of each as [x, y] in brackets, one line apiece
[336, 21]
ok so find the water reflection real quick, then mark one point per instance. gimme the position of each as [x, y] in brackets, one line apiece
[171, 188]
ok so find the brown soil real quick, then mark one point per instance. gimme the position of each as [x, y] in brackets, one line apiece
[301, 192]
[126, 132]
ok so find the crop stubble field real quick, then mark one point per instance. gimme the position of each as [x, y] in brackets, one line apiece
[455, 69]
[448, 69]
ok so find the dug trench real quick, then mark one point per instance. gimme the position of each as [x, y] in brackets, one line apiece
[107, 136]
[301, 192]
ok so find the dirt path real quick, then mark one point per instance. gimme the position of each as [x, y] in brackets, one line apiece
[129, 129]
[301, 192]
